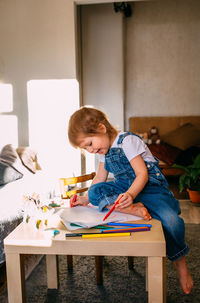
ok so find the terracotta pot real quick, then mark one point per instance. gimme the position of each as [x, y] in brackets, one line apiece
[194, 196]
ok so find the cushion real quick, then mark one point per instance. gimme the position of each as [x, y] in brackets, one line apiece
[10, 156]
[183, 137]
[28, 158]
[11, 167]
[8, 173]
[165, 152]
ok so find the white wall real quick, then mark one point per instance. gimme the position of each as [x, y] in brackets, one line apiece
[38, 60]
[102, 60]
[163, 62]
[37, 41]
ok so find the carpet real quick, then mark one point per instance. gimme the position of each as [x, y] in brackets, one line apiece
[120, 283]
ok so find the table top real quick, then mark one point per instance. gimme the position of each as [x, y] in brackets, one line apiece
[26, 239]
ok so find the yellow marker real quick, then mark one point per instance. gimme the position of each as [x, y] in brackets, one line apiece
[105, 235]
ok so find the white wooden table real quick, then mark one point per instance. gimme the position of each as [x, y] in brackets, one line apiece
[27, 240]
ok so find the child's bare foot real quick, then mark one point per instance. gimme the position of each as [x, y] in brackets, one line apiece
[136, 209]
[184, 275]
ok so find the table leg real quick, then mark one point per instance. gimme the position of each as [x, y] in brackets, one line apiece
[15, 278]
[156, 280]
[99, 269]
[52, 271]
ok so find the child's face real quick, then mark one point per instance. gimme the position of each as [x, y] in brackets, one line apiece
[98, 144]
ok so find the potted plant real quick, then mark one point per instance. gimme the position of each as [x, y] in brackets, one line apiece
[190, 180]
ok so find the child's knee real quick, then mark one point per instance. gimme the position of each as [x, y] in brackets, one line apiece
[94, 194]
[98, 189]
[101, 194]
[93, 189]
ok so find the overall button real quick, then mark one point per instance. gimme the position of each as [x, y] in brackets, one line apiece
[158, 174]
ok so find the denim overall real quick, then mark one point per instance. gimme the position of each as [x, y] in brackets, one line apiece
[155, 196]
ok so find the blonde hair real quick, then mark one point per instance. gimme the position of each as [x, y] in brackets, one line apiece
[86, 121]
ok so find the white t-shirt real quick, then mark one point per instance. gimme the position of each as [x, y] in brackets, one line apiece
[132, 147]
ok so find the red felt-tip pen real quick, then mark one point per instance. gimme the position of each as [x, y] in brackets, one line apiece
[111, 210]
[73, 200]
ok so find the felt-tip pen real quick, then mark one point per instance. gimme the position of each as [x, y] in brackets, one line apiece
[105, 235]
[99, 235]
[76, 234]
[128, 224]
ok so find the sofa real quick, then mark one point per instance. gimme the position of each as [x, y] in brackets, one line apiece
[20, 174]
[179, 141]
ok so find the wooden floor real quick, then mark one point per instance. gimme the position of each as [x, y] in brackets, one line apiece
[190, 212]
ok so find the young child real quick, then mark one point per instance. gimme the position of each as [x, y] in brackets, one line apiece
[137, 177]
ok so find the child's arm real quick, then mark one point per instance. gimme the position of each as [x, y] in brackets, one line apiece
[101, 176]
[138, 184]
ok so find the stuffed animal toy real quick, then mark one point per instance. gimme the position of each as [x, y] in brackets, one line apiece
[153, 136]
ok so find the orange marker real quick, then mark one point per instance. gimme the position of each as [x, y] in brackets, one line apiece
[73, 200]
[111, 210]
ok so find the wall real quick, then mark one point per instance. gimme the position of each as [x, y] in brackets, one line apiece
[162, 63]
[162, 60]
[38, 60]
[37, 41]
[102, 60]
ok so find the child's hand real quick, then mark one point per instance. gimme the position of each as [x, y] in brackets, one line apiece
[125, 201]
[78, 200]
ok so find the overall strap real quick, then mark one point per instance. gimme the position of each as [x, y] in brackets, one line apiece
[121, 137]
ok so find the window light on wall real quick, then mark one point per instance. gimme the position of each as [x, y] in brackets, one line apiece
[50, 105]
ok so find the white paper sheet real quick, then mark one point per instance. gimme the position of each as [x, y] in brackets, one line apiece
[87, 217]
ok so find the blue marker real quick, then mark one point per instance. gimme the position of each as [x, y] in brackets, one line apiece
[129, 224]
[55, 232]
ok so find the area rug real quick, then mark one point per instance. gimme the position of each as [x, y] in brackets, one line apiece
[121, 285]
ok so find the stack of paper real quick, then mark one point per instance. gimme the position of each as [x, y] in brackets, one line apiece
[89, 216]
